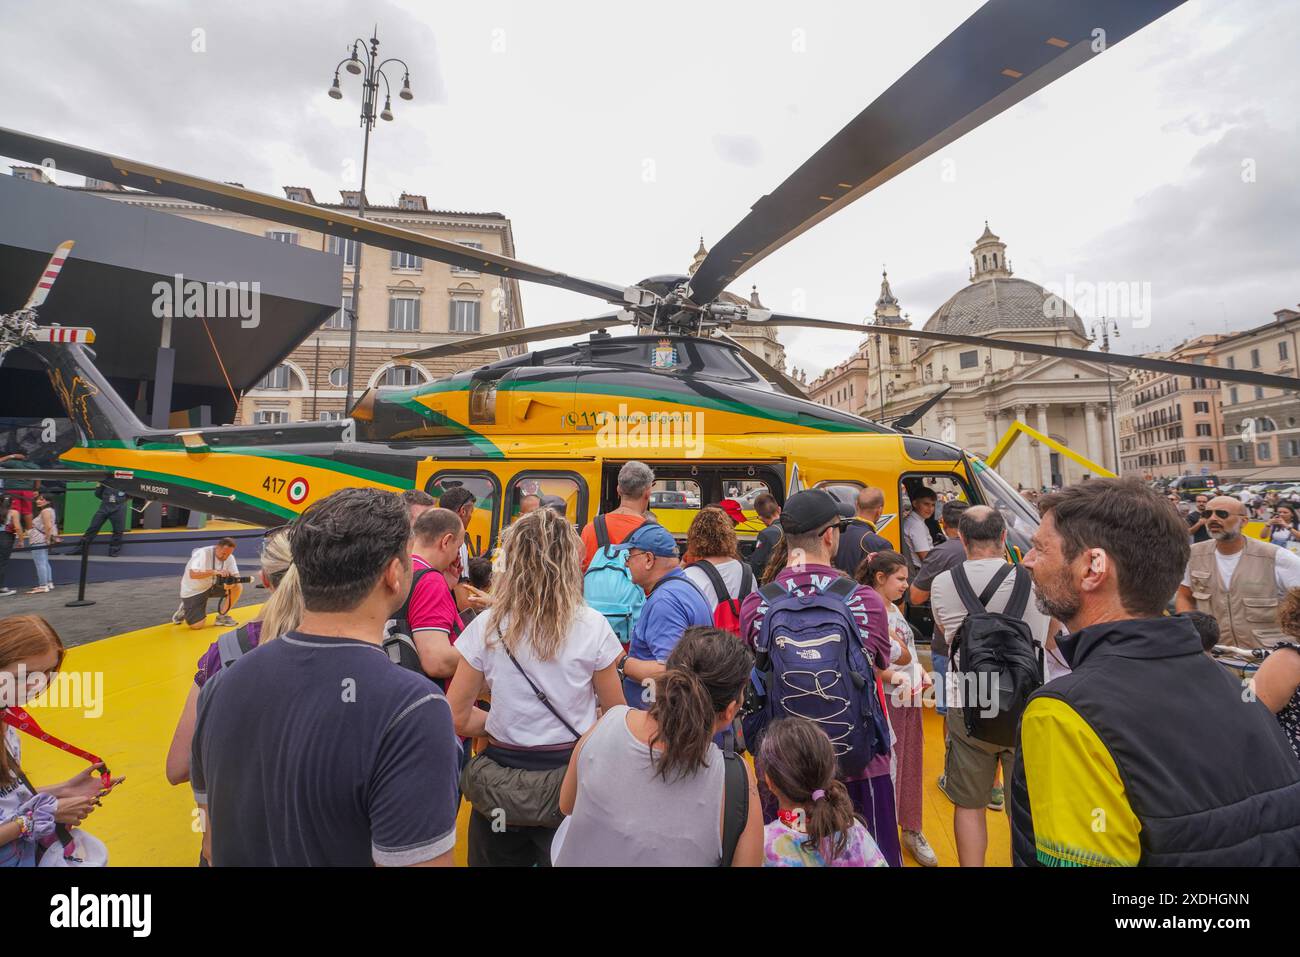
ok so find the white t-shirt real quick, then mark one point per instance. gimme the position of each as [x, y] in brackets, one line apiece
[205, 559]
[1286, 569]
[947, 607]
[732, 572]
[517, 718]
[918, 537]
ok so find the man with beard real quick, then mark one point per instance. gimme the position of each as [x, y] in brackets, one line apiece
[1237, 579]
[1147, 753]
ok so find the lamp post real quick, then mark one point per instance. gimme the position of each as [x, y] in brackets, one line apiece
[368, 66]
[1109, 328]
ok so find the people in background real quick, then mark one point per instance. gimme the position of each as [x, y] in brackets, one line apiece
[944, 557]
[1282, 529]
[31, 654]
[816, 825]
[1238, 579]
[673, 604]
[1145, 733]
[202, 580]
[460, 500]
[548, 661]
[905, 682]
[314, 749]
[643, 788]
[635, 481]
[1197, 518]
[417, 502]
[716, 568]
[1277, 682]
[916, 531]
[529, 503]
[431, 616]
[860, 538]
[281, 614]
[11, 533]
[765, 505]
[971, 766]
[44, 533]
[112, 509]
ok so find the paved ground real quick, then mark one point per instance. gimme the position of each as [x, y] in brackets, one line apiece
[119, 607]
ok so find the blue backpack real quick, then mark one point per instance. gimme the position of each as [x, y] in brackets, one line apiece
[608, 587]
[810, 664]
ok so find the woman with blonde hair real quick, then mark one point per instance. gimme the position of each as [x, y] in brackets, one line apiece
[281, 614]
[31, 653]
[548, 661]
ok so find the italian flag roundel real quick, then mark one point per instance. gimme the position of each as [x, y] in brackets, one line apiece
[298, 491]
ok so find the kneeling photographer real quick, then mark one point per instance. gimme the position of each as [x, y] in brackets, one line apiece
[210, 573]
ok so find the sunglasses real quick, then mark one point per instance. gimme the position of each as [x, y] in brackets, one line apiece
[1220, 513]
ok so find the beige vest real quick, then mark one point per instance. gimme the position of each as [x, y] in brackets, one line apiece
[1246, 611]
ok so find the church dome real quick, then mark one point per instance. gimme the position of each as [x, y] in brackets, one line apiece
[1003, 303]
[996, 300]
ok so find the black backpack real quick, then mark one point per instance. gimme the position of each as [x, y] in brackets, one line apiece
[399, 644]
[1000, 664]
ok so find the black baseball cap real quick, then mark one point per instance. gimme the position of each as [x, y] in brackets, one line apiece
[811, 510]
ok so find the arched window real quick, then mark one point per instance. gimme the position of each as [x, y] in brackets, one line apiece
[984, 262]
[397, 376]
[339, 377]
[995, 260]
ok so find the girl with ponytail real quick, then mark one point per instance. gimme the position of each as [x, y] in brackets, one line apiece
[816, 825]
[281, 613]
[647, 788]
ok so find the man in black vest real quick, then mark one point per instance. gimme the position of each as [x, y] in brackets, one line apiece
[1148, 752]
[860, 538]
[112, 508]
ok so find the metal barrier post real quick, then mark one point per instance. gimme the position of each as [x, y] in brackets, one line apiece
[81, 585]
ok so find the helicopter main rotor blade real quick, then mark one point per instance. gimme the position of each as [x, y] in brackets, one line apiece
[770, 372]
[236, 199]
[1006, 51]
[514, 337]
[1168, 366]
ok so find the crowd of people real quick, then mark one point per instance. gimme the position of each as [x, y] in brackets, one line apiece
[592, 695]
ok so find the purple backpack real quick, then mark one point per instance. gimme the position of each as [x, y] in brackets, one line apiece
[811, 664]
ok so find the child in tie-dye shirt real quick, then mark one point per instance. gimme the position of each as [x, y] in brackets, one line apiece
[816, 825]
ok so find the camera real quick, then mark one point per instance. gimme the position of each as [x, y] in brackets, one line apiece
[227, 580]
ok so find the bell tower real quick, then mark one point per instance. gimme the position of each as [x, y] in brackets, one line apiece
[989, 257]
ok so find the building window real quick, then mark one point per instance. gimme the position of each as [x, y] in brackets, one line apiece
[277, 378]
[270, 417]
[464, 316]
[407, 261]
[1259, 392]
[330, 416]
[1232, 362]
[1292, 448]
[404, 315]
[1207, 455]
[1236, 452]
[1203, 429]
[1232, 394]
[1201, 407]
[339, 377]
[969, 360]
[398, 376]
[347, 248]
[289, 238]
[340, 319]
[1265, 451]
[1254, 358]
[1282, 353]
[463, 271]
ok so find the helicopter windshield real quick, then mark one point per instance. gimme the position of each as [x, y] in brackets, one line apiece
[1021, 517]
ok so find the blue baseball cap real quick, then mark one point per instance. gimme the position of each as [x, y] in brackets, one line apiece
[652, 538]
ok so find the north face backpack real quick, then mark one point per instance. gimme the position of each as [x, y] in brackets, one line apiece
[607, 585]
[726, 611]
[1000, 664]
[810, 664]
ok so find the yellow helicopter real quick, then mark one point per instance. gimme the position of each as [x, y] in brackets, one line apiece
[713, 420]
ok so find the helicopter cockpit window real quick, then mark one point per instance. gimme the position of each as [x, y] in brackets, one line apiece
[483, 403]
[1021, 517]
[480, 533]
[921, 500]
[676, 355]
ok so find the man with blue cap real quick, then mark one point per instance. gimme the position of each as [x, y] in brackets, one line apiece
[672, 605]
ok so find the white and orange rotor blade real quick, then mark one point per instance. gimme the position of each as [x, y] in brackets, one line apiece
[64, 334]
[46, 282]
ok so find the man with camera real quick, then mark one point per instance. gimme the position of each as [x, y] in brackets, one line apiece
[211, 573]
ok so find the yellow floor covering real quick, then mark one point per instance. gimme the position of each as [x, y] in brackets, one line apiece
[148, 822]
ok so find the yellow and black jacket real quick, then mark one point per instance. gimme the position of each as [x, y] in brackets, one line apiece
[1151, 753]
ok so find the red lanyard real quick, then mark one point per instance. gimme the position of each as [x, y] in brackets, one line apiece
[20, 719]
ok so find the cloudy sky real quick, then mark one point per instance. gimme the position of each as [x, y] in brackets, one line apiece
[615, 136]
